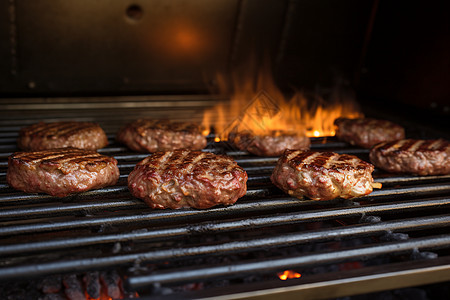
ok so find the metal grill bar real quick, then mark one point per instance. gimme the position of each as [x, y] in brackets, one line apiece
[240, 209]
[298, 261]
[34, 198]
[79, 265]
[65, 208]
[216, 228]
[338, 284]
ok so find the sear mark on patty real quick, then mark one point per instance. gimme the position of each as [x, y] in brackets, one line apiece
[41, 136]
[421, 157]
[268, 145]
[145, 135]
[60, 172]
[323, 175]
[367, 132]
[186, 178]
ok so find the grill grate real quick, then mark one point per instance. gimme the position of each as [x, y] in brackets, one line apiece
[402, 230]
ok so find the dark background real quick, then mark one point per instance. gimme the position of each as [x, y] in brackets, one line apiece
[394, 52]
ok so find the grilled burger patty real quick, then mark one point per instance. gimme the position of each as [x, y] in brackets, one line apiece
[184, 178]
[268, 145]
[41, 136]
[60, 172]
[366, 132]
[322, 175]
[145, 135]
[422, 157]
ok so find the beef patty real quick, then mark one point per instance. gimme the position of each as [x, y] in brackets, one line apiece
[422, 157]
[184, 178]
[268, 145]
[145, 135]
[366, 132]
[323, 175]
[41, 136]
[60, 172]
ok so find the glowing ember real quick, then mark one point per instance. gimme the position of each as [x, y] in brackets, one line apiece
[257, 105]
[289, 274]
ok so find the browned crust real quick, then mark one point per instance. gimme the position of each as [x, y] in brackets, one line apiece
[143, 125]
[411, 146]
[64, 159]
[184, 178]
[60, 172]
[268, 145]
[146, 135]
[322, 161]
[367, 132]
[41, 136]
[421, 157]
[323, 175]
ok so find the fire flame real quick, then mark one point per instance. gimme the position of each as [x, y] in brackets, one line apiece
[289, 274]
[102, 297]
[258, 105]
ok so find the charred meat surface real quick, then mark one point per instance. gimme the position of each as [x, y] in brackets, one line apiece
[367, 132]
[184, 178]
[322, 175]
[269, 145]
[145, 135]
[60, 172]
[421, 157]
[41, 136]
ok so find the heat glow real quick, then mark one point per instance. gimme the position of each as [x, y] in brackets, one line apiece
[257, 105]
[289, 274]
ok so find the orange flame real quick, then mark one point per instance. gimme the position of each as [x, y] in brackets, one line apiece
[289, 274]
[258, 105]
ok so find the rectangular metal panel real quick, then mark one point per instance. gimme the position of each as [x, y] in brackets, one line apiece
[109, 46]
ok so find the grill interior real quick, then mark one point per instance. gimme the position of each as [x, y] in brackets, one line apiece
[400, 232]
